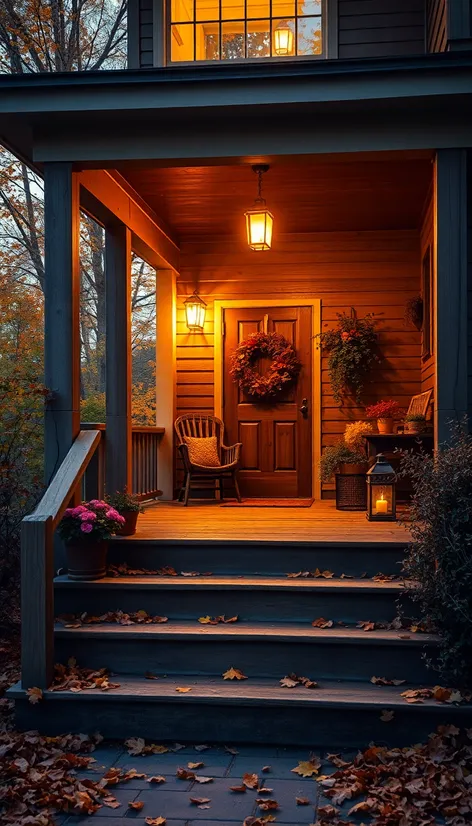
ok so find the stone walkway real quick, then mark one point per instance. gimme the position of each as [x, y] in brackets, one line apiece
[171, 799]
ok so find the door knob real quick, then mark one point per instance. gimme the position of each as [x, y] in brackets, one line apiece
[304, 408]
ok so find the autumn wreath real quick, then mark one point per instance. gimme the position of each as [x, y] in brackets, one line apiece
[283, 370]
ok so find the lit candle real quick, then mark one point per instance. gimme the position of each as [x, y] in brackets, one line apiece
[381, 505]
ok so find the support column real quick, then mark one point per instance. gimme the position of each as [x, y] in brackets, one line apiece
[166, 376]
[118, 357]
[450, 198]
[61, 312]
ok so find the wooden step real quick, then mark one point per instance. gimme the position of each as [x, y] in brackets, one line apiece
[265, 557]
[337, 715]
[258, 649]
[250, 598]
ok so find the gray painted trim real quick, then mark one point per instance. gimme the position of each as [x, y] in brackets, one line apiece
[160, 31]
[450, 394]
[459, 20]
[133, 34]
[332, 41]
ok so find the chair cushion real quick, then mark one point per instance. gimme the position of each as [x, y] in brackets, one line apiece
[203, 451]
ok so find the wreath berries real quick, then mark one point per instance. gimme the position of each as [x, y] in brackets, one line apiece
[283, 370]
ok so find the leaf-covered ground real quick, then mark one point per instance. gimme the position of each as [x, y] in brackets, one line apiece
[54, 780]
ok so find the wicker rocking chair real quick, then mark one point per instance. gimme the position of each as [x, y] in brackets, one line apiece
[200, 427]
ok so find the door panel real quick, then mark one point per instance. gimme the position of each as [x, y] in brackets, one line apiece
[276, 437]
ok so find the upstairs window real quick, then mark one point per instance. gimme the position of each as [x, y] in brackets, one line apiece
[207, 30]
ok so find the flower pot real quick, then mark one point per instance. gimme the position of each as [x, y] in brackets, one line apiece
[131, 520]
[86, 560]
[385, 425]
[352, 470]
[415, 427]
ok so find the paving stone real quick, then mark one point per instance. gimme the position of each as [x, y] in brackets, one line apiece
[279, 767]
[123, 796]
[285, 792]
[117, 821]
[216, 764]
[224, 805]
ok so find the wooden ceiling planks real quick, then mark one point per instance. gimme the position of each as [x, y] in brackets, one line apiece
[360, 195]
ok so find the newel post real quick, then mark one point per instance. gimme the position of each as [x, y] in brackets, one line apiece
[37, 602]
[118, 467]
[450, 197]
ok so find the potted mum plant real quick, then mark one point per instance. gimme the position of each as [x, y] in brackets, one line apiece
[127, 506]
[86, 530]
[385, 412]
[346, 460]
[415, 423]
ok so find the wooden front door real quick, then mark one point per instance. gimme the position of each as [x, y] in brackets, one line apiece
[276, 436]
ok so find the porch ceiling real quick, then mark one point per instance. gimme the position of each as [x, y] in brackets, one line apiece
[314, 195]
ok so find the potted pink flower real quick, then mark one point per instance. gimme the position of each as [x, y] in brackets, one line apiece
[86, 530]
[385, 412]
[128, 506]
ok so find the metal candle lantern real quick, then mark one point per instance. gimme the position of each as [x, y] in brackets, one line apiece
[381, 499]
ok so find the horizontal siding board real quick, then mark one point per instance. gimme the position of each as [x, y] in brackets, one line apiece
[369, 7]
[357, 51]
[389, 34]
[381, 28]
[380, 21]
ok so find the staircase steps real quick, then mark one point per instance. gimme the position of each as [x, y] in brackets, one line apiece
[273, 637]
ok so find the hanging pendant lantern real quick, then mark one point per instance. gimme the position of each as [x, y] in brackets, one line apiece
[283, 39]
[195, 311]
[259, 221]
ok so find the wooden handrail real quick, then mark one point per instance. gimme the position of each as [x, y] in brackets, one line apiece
[37, 562]
[65, 481]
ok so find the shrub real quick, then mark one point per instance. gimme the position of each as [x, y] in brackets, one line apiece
[354, 435]
[415, 417]
[124, 501]
[440, 554]
[338, 454]
[384, 410]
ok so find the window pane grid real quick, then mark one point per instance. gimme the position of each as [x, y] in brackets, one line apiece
[208, 30]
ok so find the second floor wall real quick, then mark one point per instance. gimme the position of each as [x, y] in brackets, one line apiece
[178, 32]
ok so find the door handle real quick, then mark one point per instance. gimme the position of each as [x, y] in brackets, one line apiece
[304, 408]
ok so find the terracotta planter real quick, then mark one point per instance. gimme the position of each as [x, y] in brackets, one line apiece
[86, 560]
[385, 425]
[352, 470]
[415, 427]
[129, 528]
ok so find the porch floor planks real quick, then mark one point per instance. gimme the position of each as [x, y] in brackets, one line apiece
[208, 521]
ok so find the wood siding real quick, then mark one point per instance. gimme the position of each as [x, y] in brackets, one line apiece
[146, 33]
[469, 284]
[436, 32]
[370, 271]
[428, 364]
[381, 28]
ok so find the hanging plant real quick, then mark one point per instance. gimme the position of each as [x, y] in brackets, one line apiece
[414, 311]
[351, 348]
[283, 370]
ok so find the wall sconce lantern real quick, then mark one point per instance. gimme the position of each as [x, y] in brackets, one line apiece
[195, 311]
[381, 504]
[283, 39]
[259, 221]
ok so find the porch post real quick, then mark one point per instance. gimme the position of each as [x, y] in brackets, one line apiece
[166, 376]
[118, 357]
[61, 312]
[450, 391]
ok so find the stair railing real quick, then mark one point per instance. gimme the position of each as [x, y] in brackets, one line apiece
[37, 562]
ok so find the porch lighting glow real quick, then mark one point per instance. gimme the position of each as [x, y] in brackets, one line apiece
[195, 311]
[381, 505]
[283, 39]
[259, 221]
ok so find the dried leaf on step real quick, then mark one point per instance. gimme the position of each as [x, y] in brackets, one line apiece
[111, 802]
[266, 805]
[155, 821]
[387, 715]
[34, 695]
[150, 676]
[183, 689]
[207, 620]
[185, 774]
[201, 748]
[328, 812]
[302, 801]
[156, 778]
[266, 768]
[241, 788]
[135, 745]
[231, 750]
[234, 674]
[287, 682]
[195, 765]
[251, 780]
[307, 768]
[200, 801]
[386, 681]
[366, 625]
[321, 622]
[136, 805]
[200, 779]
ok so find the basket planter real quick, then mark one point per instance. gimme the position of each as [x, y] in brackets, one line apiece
[385, 425]
[131, 520]
[86, 560]
[351, 490]
[415, 427]
[352, 470]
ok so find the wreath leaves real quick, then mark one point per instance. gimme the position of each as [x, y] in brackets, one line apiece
[283, 370]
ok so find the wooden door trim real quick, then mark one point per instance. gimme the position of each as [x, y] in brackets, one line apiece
[315, 304]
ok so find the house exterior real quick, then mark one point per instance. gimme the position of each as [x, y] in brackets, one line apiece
[362, 112]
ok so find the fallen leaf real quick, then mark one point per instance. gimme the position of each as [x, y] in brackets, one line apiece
[386, 681]
[241, 788]
[195, 765]
[201, 748]
[205, 620]
[111, 802]
[156, 778]
[155, 821]
[137, 805]
[321, 622]
[231, 750]
[199, 801]
[135, 745]
[234, 674]
[307, 768]
[185, 774]
[150, 676]
[287, 682]
[266, 768]
[328, 812]
[387, 715]
[266, 805]
[251, 780]
[366, 625]
[302, 801]
[264, 790]
[200, 779]
[34, 695]
[183, 689]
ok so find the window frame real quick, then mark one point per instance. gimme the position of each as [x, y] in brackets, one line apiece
[329, 34]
